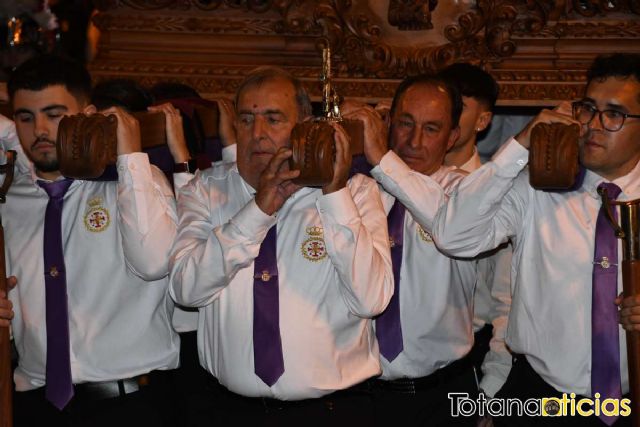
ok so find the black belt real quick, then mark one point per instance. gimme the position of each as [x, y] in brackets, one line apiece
[110, 389]
[412, 385]
[269, 404]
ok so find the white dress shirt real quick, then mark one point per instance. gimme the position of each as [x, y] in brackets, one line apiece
[116, 238]
[491, 303]
[436, 291]
[326, 302]
[553, 246]
[473, 163]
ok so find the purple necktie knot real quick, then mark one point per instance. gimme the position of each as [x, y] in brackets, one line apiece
[56, 189]
[613, 191]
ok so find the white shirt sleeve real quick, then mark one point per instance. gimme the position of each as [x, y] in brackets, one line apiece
[181, 179]
[355, 230]
[229, 153]
[419, 193]
[207, 254]
[485, 208]
[147, 216]
[497, 362]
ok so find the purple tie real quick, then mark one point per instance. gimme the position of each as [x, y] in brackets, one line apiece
[605, 349]
[59, 386]
[388, 327]
[267, 345]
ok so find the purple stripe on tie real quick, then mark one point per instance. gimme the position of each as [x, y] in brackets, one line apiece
[59, 385]
[388, 327]
[267, 344]
[605, 346]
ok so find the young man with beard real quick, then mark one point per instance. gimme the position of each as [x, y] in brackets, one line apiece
[91, 317]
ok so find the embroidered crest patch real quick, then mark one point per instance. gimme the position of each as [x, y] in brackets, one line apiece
[424, 235]
[314, 248]
[96, 217]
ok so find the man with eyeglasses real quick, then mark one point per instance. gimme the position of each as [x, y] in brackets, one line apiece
[563, 325]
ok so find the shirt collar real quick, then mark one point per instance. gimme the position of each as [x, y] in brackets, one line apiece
[629, 183]
[441, 172]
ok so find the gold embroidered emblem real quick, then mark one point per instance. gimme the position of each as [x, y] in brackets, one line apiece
[314, 248]
[96, 217]
[424, 235]
[53, 271]
[265, 276]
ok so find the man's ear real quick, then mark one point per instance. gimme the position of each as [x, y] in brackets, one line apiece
[453, 137]
[483, 121]
[90, 109]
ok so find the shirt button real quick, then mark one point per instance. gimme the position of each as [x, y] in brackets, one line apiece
[521, 162]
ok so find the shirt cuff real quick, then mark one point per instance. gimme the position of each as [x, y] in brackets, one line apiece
[338, 207]
[391, 166]
[229, 153]
[252, 222]
[511, 158]
[181, 179]
[134, 165]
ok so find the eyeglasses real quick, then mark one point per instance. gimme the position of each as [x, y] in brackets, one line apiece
[612, 120]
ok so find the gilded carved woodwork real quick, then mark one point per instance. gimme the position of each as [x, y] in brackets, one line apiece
[410, 15]
[537, 49]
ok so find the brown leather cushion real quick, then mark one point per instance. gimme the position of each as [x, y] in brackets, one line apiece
[313, 153]
[355, 130]
[86, 144]
[553, 156]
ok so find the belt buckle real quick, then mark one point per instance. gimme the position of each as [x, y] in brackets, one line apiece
[410, 387]
[271, 404]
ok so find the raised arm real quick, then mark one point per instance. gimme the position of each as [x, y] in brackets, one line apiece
[355, 231]
[146, 206]
[487, 207]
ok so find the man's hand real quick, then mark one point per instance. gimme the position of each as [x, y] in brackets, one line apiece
[226, 121]
[629, 312]
[275, 183]
[128, 132]
[560, 114]
[342, 162]
[375, 129]
[384, 108]
[6, 307]
[175, 133]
